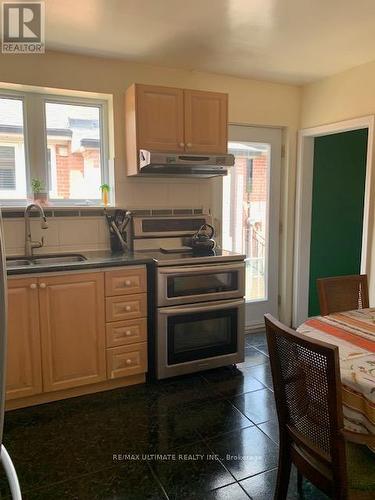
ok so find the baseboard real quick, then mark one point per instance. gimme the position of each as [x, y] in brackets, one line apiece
[254, 328]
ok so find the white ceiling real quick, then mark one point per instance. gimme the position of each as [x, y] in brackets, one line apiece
[294, 41]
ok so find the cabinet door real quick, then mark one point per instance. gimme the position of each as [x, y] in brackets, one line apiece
[160, 118]
[24, 373]
[72, 328]
[206, 122]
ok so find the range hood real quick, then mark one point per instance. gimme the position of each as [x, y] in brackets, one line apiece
[184, 165]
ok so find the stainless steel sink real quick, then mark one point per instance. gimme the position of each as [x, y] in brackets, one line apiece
[18, 262]
[59, 259]
[69, 258]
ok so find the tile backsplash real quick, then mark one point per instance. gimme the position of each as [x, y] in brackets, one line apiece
[64, 234]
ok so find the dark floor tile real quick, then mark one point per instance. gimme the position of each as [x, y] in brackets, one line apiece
[212, 418]
[130, 481]
[262, 373]
[230, 381]
[187, 389]
[262, 348]
[271, 428]
[258, 406]
[246, 452]
[253, 357]
[262, 486]
[193, 473]
[231, 492]
[255, 339]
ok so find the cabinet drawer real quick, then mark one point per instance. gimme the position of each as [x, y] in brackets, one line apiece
[126, 332]
[127, 281]
[126, 307]
[126, 360]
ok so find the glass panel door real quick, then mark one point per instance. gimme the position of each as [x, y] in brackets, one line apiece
[250, 213]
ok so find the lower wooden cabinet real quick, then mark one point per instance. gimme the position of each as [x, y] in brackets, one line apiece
[72, 330]
[126, 360]
[24, 368]
[59, 344]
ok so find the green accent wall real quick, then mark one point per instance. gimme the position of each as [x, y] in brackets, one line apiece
[337, 207]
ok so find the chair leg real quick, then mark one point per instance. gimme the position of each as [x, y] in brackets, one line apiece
[299, 484]
[283, 472]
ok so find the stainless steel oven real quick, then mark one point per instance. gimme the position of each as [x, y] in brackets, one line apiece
[196, 337]
[199, 304]
[199, 283]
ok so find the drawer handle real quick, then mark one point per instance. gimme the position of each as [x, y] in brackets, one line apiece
[128, 333]
[128, 361]
[128, 308]
[128, 283]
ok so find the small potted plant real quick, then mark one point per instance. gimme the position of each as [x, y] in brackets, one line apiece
[39, 192]
[104, 188]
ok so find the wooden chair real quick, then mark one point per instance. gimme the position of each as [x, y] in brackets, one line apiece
[342, 293]
[307, 387]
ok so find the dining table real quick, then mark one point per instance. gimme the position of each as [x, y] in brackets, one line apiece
[353, 332]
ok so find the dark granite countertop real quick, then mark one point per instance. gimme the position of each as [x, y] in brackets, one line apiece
[94, 260]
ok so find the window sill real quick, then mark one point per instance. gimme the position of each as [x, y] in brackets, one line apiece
[15, 211]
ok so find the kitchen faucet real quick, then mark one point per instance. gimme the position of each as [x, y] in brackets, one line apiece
[29, 243]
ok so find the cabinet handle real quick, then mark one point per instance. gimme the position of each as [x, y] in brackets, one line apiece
[128, 333]
[128, 308]
[182, 144]
[128, 361]
[128, 283]
[189, 144]
[42, 285]
[33, 286]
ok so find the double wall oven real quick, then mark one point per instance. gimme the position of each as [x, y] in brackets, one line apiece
[199, 321]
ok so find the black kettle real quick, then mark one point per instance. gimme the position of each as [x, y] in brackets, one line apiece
[203, 241]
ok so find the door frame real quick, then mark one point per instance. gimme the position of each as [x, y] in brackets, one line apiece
[274, 222]
[304, 185]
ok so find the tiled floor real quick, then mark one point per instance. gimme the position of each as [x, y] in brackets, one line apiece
[216, 435]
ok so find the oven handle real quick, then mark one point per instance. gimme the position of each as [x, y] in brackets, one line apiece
[201, 308]
[214, 268]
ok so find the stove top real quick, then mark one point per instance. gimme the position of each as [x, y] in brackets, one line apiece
[183, 258]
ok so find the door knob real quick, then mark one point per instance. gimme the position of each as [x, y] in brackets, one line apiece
[182, 144]
[33, 286]
[189, 144]
[42, 285]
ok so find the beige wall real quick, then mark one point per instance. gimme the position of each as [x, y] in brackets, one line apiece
[250, 102]
[343, 96]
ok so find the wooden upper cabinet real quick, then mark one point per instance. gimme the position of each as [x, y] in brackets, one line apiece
[24, 369]
[174, 120]
[160, 117]
[72, 330]
[206, 122]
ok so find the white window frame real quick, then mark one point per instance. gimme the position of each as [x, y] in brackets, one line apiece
[35, 140]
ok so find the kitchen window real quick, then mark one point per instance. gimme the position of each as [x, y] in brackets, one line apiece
[60, 140]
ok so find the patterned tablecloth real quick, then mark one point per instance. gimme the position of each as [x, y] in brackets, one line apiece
[354, 334]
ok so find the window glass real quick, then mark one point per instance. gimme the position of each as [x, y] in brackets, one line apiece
[73, 151]
[12, 150]
[245, 212]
